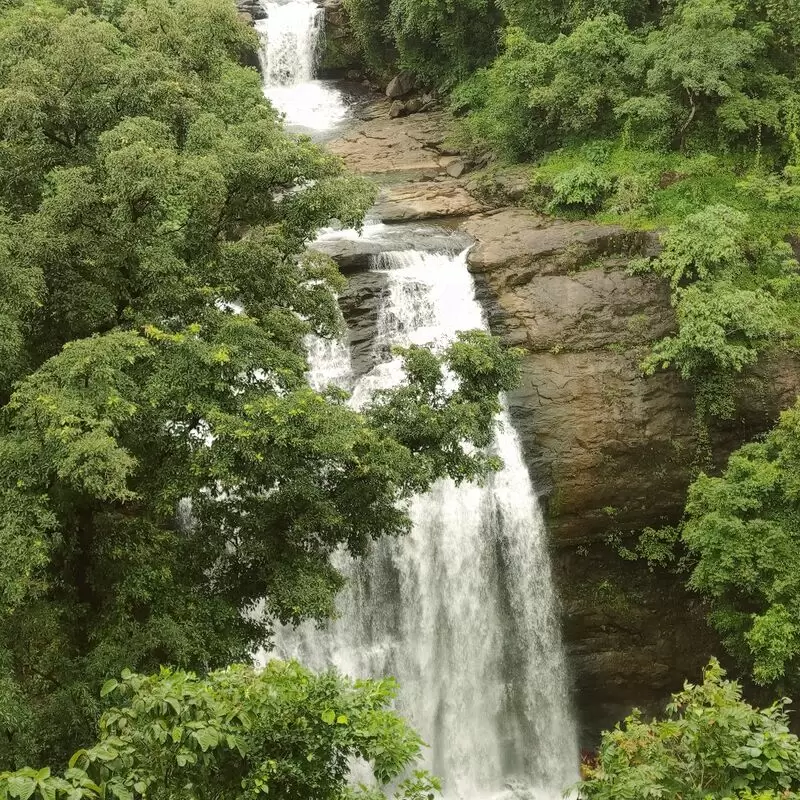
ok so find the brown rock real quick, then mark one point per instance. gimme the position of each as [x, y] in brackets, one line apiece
[522, 244]
[400, 85]
[404, 145]
[397, 109]
[455, 169]
[426, 200]
[610, 452]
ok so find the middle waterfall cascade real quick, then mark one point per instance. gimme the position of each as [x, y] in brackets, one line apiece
[461, 611]
[291, 41]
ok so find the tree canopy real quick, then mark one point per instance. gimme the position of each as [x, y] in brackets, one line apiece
[169, 483]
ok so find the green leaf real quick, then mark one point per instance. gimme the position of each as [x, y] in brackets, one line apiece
[328, 717]
[341, 719]
[109, 687]
[775, 765]
[207, 738]
[20, 787]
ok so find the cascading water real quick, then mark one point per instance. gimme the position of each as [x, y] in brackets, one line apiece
[291, 41]
[461, 611]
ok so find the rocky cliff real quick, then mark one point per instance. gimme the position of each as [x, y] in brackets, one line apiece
[610, 452]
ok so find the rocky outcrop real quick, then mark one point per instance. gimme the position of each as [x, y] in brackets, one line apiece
[250, 10]
[341, 53]
[611, 452]
[412, 146]
[432, 199]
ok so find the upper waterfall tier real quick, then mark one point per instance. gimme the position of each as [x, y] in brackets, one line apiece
[291, 38]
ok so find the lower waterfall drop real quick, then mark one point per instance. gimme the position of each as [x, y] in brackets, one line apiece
[462, 610]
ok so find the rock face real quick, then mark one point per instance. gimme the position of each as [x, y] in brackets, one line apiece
[341, 52]
[609, 451]
[433, 199]
[360, 302]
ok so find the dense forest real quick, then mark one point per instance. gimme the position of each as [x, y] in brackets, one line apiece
[171, 486]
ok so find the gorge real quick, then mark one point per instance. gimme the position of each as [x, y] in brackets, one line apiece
[609, 452]
[461, 611]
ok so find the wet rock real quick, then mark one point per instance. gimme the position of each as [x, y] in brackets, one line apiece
[610, 452]
[341, 54]
[405, 145]
[426, 200]
[251, 10]
[360, 302]
[397, 109]
[400, 85]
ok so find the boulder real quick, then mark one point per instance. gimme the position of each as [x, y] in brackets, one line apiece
[397, 109]
[400, 85]
[414, 105]
[455, 169]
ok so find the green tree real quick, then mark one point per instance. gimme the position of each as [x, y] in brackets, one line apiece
[710, 745]
[734, 294]
[169, 483]
[236, 733]
[742, 529]
[705, 75]
[538, 94]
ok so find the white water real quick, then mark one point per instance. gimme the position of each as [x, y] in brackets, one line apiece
[291, 42]
[461, 611]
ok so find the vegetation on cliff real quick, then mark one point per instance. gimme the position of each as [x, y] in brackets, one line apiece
[710, 745]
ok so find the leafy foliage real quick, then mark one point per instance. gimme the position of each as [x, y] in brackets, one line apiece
[708, 75]
[284, 732]
[732, 295]
[169, 483]
[536, 94]
[711, 745]
[742, 529]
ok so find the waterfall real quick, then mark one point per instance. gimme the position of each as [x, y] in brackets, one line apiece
[461, 611]
[290, 42]
[291, 37]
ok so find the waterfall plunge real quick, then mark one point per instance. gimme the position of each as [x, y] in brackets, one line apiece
[461, 611]
[291, 42]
